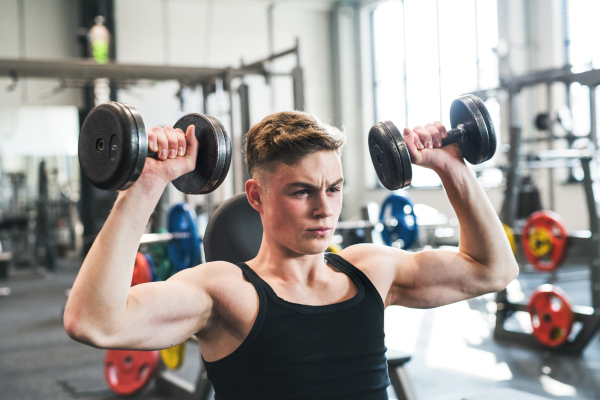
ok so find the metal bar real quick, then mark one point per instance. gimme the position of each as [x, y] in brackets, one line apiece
[589, 196]
[564, 74]
[244, 93]
[88, 69]
[549, 107]
[162, 237]
[259, 64]
[298, 84]
[593, 116]
[509, 209]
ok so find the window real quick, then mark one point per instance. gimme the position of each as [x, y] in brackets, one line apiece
[584, 54]
[425, 54]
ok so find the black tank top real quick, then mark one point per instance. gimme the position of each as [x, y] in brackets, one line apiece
[296, 351]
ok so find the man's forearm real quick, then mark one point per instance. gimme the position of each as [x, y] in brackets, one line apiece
[482, 236]
[99, 295]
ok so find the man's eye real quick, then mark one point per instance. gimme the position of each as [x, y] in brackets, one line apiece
[302, 192]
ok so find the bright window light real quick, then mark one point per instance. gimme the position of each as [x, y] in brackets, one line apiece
[423, 59]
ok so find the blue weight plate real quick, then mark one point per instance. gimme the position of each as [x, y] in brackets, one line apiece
[183, 252]
[401, 209]
[152, 266]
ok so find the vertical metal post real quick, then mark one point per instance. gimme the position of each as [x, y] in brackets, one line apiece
[588, 184]
[593, 116]
[549, 107]
[236, 155]
[298, 82]
[509, 209]
[243, 92]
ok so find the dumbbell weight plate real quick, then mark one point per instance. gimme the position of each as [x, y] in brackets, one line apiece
[390, 156]
[113, 145]
[487, 118]
[465, 111]
[214, 155]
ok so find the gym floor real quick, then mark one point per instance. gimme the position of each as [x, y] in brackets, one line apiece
[453, 351]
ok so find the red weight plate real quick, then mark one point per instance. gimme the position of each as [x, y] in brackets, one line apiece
[551, 315]
[141, 270]
[554, 224]
[128, 371]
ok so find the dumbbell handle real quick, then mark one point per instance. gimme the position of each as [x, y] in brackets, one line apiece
[456, 135]
[100, 146]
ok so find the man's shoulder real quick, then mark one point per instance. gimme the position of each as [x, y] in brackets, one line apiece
[376, 261]
[363, 255]
[213, 275]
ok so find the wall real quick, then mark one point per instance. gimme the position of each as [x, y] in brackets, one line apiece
[220, 34]
[37, 30]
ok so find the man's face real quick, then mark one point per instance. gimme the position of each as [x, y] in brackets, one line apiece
[302, 203]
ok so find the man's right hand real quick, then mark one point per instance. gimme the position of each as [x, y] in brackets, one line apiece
[176, 154]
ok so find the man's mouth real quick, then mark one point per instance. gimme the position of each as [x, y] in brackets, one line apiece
[320, 231]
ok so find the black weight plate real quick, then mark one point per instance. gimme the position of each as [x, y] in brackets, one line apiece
[111, 146]
[227, 151]
[489, 124]
[402, 150]
[464, 111]
[389, 156]
[211, 158]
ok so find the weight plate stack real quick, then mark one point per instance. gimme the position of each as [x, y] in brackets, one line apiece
[214, 155]
[113, 146]
[399, 221]
[390, 156]
[184, 252]
[464, 111]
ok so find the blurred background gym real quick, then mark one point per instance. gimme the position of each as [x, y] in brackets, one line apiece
[351, 63]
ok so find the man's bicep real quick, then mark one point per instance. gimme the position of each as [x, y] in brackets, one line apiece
[163, 314]
[433, 278]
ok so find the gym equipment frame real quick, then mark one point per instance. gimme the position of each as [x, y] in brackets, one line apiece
[588, 317]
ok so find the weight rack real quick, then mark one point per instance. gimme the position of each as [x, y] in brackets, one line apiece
[588, 317]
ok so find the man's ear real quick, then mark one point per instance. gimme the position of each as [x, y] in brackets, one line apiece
[254, 192]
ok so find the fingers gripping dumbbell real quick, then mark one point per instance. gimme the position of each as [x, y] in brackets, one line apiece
[472, 130]
[113, 147]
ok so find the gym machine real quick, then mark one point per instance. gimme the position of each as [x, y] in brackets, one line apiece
[588, 317]
[560, 317]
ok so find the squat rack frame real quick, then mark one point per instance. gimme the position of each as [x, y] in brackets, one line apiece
[589, 317]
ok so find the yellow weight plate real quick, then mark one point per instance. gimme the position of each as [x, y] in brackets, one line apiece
[540, 242]
[511, 238]
[334, 248]
[173, 357]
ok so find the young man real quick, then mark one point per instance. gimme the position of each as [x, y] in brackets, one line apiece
[291, 323]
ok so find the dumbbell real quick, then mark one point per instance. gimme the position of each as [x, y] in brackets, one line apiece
[113, 147]
[472, 130]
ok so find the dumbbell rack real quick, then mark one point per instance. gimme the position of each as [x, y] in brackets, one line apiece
[588, 317]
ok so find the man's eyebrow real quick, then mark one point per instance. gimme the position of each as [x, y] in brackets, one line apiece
[307, 185]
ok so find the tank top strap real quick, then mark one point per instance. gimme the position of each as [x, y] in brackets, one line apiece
[255, 280]
[355, 273]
